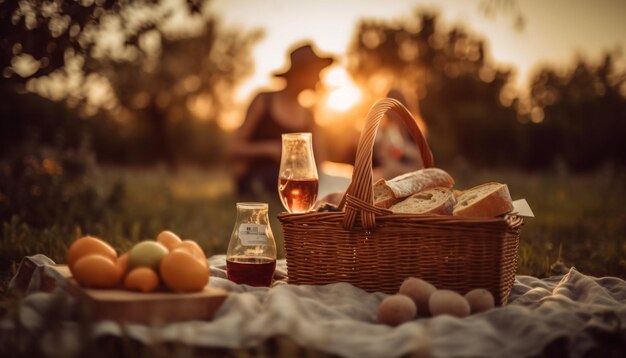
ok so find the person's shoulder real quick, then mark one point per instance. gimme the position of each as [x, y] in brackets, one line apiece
[261, 99]
[264, 95]
[258, 101]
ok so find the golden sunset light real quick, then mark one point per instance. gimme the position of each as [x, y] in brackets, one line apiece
[342, 93]
[286, 178]
[545, 37]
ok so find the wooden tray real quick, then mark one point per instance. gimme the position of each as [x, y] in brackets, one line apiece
[146, 308]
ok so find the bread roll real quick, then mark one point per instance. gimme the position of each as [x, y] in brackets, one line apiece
[430, 201]
[486, 200]
[389, 192]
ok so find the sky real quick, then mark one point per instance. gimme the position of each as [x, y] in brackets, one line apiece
[555, 31]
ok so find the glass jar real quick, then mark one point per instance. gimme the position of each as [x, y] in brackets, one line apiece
[251, 255]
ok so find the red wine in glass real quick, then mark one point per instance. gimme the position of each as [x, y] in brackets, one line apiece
[253, 271]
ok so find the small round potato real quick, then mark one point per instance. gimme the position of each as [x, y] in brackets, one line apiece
[480, 300]
[419, 291]
[397, 309]
[448, 302]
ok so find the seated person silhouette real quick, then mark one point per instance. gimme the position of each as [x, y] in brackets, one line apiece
[256, 146]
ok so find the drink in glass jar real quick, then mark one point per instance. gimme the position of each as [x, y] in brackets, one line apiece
[251, 255]
[298, 181]
[253, 271]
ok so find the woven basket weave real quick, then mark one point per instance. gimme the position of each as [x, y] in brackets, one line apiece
[375, 249]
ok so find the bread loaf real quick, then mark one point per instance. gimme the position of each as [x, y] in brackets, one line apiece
[485, 200]
[431, 201]
[389, 192]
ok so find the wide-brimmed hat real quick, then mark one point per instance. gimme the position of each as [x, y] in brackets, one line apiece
[304, 58]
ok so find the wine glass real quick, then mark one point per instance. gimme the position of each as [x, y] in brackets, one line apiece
[297, 179]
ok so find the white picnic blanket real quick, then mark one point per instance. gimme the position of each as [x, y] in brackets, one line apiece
[573, 314]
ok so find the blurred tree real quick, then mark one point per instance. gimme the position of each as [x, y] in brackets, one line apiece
[179, 79]
[576, 117]
[456, 88]
[33, 39]
[581, 115]
[35, 35]
[510, 8]
[165, 63]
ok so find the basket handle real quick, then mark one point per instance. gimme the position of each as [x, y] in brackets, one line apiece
[359, 198]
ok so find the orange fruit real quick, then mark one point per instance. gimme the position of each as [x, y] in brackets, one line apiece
[86, 246]
[168, 239]
[97, 271]
[194, 249]
[182, 272]
[142, 279]
[122, 263]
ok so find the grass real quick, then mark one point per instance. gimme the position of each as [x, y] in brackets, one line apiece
[581, 214]
[579, 219]
[196, 205]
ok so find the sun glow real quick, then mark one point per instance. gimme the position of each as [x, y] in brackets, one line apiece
[343, 93]
[343, 98]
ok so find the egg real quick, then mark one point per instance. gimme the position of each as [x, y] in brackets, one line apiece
[86, 246]
[168, 239]
[146, 254]
[97, 271]
[182, 272]
[142, 279]
[397, 309]
[480, 300]
[448, 302]
[419, 291]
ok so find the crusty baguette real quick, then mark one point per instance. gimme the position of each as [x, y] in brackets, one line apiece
[389, 192]
[486, 200]
[431, 201]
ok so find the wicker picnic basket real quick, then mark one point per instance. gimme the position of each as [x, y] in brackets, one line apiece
[375, 249]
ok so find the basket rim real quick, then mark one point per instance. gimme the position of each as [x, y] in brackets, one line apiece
[511, 220]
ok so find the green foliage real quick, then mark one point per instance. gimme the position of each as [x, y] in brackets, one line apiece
[581, 213]
[122, 207]
[154, 95]
[47, 198]
[136, 142]
[47, 187]
[583, 114]
[448, 77]
[31, 120]
[25, 29]
[575, 117]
